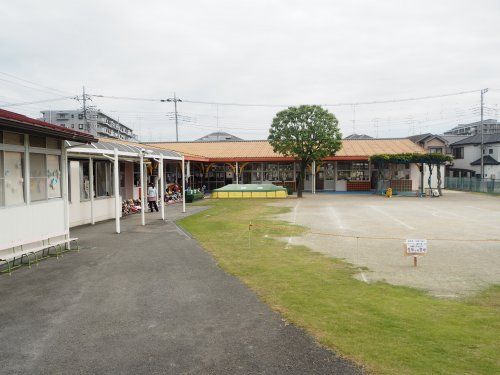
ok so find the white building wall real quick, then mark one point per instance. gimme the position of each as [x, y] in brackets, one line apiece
[415, 176]
[471, 153]
[80, 210]
[30, 223]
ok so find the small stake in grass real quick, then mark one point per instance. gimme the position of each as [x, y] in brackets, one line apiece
[249, 230]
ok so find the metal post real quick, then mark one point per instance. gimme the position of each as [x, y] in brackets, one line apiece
[64, 170]
[183, 187]
[483, 91]
[116, 181]
[237, 174]
[176, 121]
[91, 190]
[162, 189]
[143, 202]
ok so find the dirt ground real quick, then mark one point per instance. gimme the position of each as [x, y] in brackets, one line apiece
[450, 269]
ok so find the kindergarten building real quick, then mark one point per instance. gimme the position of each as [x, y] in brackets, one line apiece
[216, 164]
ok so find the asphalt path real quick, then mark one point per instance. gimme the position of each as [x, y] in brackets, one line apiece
[147, 301]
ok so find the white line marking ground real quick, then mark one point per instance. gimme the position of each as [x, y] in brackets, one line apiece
[400, 222]
[294, 221]
[334, 214]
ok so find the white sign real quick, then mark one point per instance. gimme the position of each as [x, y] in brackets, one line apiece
[416, 247]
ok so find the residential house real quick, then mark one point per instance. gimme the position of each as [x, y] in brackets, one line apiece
[467, 157]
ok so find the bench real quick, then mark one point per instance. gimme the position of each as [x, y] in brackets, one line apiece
[48, 242]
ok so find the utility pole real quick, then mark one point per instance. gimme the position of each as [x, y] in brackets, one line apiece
[175, 100]
[84, 98]
[483, 91]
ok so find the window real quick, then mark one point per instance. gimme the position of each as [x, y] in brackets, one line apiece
[53, 176]
[37, 141]
[72, 116]
[73, 126]
[53, 143]
[490, 151]
[80, 126]
[13, 181]
[458, 152]
[353, 171]
[13, 138]
[80, 116]
[329, 171]
[84, 180]
[435, 150]
[103, 179]
[38, 177]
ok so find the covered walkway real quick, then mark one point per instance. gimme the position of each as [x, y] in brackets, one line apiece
[147, 301]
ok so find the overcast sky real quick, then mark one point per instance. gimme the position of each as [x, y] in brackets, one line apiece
[262, 52]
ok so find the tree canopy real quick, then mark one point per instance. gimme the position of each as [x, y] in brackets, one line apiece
[407, 158]
[308, 133]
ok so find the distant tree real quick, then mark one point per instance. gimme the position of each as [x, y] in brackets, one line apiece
[308, 133]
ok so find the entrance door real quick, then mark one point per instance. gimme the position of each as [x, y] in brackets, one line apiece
[320, 180]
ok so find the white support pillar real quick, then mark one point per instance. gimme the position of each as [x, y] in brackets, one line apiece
[143, 201]
[161, 192]
[116, 182]
[91, 190]
[27, 191]
[64, 177]
[313, 181]
[335, 175]
[237, 174]
[183, 187]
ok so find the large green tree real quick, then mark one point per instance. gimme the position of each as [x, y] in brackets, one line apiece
[308, 133]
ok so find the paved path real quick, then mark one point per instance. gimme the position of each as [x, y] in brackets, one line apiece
[148, 301]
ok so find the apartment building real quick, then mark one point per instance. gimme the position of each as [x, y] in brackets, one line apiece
[490, 126]
[97, 123]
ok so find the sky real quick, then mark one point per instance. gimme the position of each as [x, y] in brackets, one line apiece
[267, 53]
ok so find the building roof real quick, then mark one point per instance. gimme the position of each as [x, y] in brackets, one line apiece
[451, 138]
[487, 160]
[419, 137]
[125, 148]
[476, 139]
[17, 122]
[218, 137]
[262, 150]
[358, 136]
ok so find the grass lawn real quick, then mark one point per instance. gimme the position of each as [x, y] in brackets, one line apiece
[388, 329]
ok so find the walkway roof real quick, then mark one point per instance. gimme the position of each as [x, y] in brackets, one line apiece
[106, 146]
[352, 149]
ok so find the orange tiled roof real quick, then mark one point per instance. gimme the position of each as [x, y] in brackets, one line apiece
[262, 150]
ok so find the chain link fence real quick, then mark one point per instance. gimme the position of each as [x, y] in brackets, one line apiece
[480, 185]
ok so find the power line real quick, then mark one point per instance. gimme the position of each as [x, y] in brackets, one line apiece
[36, 102]
[34, 83]
[340, 104]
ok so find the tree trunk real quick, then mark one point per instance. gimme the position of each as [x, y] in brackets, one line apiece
[439, 178]
[421, 168]
[430, 179]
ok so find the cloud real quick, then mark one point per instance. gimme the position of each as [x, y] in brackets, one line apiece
[256, 52]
